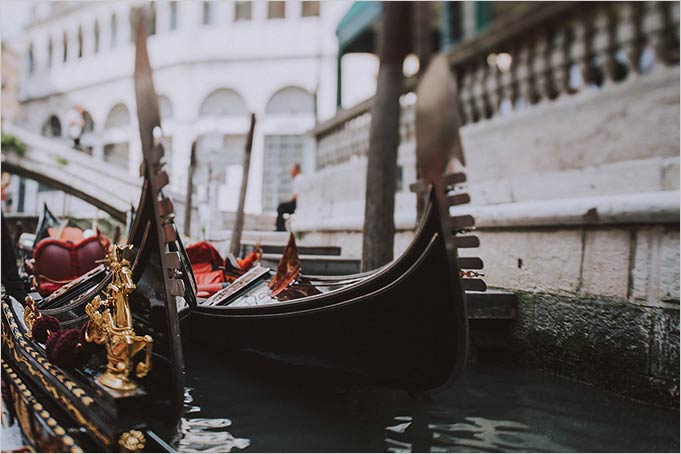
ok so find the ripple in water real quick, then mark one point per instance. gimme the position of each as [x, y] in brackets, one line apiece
[474, 435]
[206, 434]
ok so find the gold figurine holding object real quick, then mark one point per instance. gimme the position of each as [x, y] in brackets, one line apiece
[113, 326]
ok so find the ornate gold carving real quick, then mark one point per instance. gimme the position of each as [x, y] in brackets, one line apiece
[21, 406]
[9, 340]
[132, 441]
[111, 324]
[30, 314]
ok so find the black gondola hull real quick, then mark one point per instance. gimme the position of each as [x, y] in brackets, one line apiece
[403, 327]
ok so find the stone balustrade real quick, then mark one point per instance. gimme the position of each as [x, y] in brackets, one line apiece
[542, 52]
[559, 49]
[571, 116]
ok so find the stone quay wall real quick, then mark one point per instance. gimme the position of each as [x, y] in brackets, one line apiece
[573, 172]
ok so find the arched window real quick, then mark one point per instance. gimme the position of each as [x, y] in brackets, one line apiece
[165, 107]
[281, 151]
[223, 102]
[31, 59]
[114, 30]
[80, 42]
[96, 33]
[65, 47]
[291, 100]
[88, 122]
[50, 52]
[118, 116]
[51, 127]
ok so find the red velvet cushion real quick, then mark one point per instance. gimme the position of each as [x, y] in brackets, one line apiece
[58, 262]
[204, 252]
[89, 252]
[212, 277]
[53, 259]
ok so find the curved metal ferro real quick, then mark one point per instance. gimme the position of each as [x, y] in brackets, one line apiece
[110, 323]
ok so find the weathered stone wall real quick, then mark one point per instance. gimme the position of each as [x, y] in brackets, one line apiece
[577, 206]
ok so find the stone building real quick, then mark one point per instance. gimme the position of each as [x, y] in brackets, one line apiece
[214, 63]
[11, 74]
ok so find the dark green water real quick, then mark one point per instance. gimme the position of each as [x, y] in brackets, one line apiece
[243, 405]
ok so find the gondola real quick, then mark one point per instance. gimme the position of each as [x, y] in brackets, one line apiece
[128, 396]
[404, 325]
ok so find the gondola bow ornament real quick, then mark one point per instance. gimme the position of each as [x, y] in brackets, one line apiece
[288, 269]
[110, 323]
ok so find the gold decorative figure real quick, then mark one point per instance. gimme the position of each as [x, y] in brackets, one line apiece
[30, 315]
[111, 324]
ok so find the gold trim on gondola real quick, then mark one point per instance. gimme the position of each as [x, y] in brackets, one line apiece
[27, 399]
[27, 350]
[132, 441]
[111, 324]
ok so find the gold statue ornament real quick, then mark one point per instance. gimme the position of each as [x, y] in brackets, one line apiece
[111, 324]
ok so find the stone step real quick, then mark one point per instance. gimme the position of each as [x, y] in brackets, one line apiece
[263, 236]
[269, 248]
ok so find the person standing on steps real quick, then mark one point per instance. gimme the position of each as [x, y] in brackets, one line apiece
[289, 206]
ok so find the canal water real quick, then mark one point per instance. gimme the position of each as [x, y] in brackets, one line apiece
[235, 403]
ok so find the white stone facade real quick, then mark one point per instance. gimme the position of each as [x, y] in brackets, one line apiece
[210, 69]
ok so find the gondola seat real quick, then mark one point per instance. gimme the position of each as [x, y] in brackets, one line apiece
[59, 262]
[214, 273]
[208, 266]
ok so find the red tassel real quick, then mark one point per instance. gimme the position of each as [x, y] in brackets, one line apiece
[44, 326]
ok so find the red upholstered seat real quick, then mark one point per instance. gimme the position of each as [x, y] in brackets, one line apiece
[208, 266]
[212, 272]
[59, 262]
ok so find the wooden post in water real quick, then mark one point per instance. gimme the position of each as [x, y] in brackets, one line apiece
[239, 222]
[190, 192]
[422, 37]
[381, 178]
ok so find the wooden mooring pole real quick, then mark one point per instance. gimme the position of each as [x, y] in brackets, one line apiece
[190, 192]
[235, 244]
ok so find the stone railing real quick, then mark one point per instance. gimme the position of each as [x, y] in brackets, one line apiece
[541, 52]
[551, 49]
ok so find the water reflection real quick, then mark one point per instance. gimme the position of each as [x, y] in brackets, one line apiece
[289, 409]
[475, 434]
[206, 434]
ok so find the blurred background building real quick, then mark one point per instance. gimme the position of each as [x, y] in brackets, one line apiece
[214, 63]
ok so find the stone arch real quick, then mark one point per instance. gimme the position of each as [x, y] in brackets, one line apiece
[88, 122]
[51, 127]
[165, 107]
[223, 102]
[119, 115]
[291, 100]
